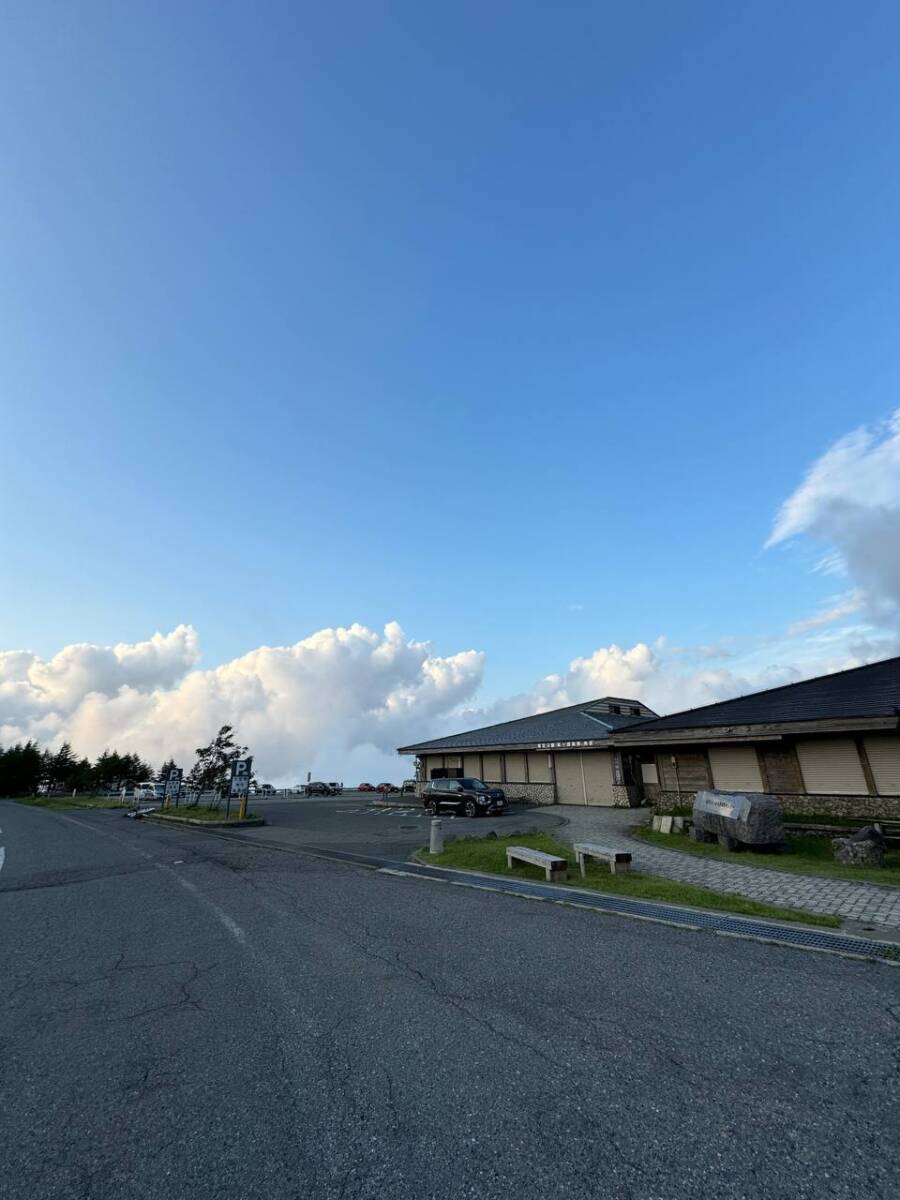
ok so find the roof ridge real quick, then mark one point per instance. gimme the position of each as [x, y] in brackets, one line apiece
[546, 712]
[485, 732]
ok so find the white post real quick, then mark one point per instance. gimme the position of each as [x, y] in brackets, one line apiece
[437, 837]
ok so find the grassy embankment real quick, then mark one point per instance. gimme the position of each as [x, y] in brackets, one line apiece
[489, 855]
[66, 802]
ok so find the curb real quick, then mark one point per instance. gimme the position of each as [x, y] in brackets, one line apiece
[250, 822]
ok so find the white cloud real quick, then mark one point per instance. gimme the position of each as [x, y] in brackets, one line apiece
[666, 680]
[837, 608]
[850, 501]
[339, 702]
[309, 706]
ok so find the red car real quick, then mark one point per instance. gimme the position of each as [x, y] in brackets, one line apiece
[385, 788]
[365, 787]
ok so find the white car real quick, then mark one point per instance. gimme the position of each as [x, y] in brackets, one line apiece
[149, 791]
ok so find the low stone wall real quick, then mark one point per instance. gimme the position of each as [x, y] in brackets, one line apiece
[531, 793]
[627, 795]
[886, 807]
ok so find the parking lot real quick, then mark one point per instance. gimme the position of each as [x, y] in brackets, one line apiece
[353, 822]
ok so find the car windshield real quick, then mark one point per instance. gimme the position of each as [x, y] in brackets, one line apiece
[473, 785]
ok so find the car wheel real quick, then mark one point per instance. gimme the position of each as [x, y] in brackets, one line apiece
[433, 807]
[470, 808]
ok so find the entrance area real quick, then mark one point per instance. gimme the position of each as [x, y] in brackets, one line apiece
[584, 777]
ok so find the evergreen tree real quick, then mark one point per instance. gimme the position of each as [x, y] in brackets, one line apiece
[20, 769]
[163, 774]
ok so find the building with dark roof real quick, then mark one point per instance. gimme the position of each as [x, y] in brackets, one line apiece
[827, 745]
[553, 757]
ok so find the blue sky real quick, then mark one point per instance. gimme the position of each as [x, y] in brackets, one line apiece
[513, 323]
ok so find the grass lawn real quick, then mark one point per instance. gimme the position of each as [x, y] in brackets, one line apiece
[810, 855]
[489, 854]
[196, 813]
[66, 802]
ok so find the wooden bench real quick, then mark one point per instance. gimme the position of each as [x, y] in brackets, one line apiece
[619, 860]
[555, 869]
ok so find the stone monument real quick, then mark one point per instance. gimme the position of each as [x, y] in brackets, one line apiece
[737, 819]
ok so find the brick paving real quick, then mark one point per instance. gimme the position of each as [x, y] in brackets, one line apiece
[865, 903]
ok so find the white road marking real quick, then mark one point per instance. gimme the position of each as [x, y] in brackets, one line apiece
[2, 857]
[232, 926]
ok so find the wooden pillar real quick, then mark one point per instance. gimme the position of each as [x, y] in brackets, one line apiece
[866, 766]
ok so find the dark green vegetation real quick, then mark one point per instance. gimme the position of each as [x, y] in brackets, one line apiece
[25, 767]
[489, 855]
[809, 854]
[60, 803]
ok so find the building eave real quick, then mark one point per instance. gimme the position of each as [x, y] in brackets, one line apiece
[765, 731]
[493, 748]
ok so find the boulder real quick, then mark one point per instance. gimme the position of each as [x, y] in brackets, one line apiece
[865, 848]
[737, 819]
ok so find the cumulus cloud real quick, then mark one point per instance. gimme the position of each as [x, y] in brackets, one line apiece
[665, 680]
[299, 707]
[338, 702]
[850, 501]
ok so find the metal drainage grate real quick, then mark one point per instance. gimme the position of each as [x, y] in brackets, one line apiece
[687, 919]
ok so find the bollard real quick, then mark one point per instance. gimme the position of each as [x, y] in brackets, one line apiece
[437, 837]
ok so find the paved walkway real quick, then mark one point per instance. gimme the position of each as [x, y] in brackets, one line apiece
[862, 903]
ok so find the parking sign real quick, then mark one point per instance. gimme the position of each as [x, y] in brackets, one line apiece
[240, 776]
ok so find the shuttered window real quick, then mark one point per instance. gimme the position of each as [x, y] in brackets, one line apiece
[832, 767]
[515, 767]
[492, 768]
[433, 762]
[884, 759]
[472, 766]
[539, 767]
[735, 769]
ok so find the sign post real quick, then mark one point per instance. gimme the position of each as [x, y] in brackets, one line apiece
[239, 787]
[173, 786]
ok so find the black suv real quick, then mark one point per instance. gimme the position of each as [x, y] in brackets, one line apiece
[469, 796]
[321, 789]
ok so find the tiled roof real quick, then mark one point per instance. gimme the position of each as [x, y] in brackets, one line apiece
[870, 691]
[561, 725]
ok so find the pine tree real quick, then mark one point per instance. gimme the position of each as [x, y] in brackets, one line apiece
[20, 769]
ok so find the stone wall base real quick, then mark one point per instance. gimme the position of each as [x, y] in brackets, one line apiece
[532, 793]
[627, 795]
[885, 807]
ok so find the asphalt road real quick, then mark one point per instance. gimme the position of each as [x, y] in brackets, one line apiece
[188, 1016]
